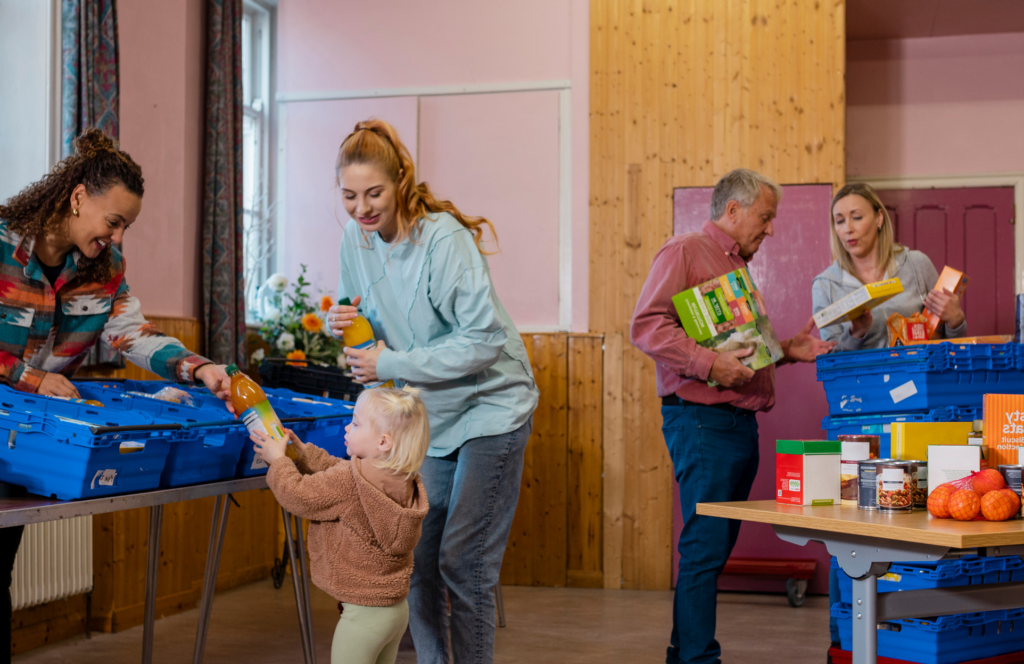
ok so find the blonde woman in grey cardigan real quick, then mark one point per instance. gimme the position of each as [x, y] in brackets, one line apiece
[865, 251]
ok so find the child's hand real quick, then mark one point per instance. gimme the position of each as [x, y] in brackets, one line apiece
[299, 446]
[269, 448]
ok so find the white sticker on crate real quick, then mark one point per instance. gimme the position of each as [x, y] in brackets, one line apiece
[105, 477]
[258, 462]
[904, 391]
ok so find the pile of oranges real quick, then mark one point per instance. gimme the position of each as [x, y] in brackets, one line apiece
[986, 495]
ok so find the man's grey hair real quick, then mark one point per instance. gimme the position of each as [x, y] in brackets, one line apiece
[743, 186]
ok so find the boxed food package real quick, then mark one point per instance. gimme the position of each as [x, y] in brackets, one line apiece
[912, 440]
[728, 313]
[857, 302]
[955, 282]
[951, 462]
[807, 472]
[990, 339]
[906, 330]
[1003, 427]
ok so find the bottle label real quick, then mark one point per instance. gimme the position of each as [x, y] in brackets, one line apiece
[380, 383]
[262, 417]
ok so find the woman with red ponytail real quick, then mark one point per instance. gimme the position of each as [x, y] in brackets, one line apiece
[416, 268]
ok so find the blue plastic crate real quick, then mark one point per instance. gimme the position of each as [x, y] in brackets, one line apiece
[208, 446]
[880, 424]
[70, 451]
[966, 571]
[919, 378]
[942, 640]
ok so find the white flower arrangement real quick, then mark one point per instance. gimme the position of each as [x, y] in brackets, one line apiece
[286, 342]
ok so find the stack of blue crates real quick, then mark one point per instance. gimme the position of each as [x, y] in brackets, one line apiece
[867, 392]
[68, 450]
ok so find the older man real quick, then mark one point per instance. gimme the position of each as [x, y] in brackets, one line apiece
[711, 432]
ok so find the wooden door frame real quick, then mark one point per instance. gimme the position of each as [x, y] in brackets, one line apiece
[1015, 180]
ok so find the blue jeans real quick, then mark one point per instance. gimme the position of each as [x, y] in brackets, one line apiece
[473, 494]
[715, 456]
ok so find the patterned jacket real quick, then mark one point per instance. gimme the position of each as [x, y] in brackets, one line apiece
[46, 329]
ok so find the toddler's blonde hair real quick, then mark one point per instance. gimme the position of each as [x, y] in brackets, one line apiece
[401, 415]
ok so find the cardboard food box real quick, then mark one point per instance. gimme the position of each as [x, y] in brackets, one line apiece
[951, 462]
[857, 302]
[991, 339]
[912, 440]
[955, 282]
[1004, 427]
[728, 313]
[807, 472]
[907, 330]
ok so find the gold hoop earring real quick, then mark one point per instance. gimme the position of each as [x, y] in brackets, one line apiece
[75, 212]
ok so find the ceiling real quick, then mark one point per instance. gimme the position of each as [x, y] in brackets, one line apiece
[897, 19]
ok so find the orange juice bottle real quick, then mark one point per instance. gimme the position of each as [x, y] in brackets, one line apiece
[360, 335]
[254, 409]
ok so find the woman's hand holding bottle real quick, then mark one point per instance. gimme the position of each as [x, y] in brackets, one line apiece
[341, 316]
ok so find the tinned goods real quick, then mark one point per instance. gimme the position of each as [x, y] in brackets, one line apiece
[854, 449]
[894, 481]
[919, 469]
[867, 493]
[1012, 473]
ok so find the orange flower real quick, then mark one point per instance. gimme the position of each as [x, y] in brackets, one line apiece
[296, 355]
[312, 323]
[326, 303]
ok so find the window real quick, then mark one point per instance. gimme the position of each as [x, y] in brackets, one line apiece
[30, 128]
[257, 206]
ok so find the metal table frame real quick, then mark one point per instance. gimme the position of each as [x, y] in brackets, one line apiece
[866, 557]
[36, 509]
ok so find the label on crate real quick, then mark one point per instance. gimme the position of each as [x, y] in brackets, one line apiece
[895, 578]
[904, 391]
[105, 477]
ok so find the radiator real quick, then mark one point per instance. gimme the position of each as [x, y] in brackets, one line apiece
[54, 562]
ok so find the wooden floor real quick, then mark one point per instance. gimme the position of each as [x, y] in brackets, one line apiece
[257, 624]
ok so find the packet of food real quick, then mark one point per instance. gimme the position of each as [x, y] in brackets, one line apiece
[907, 330]
[169, 394]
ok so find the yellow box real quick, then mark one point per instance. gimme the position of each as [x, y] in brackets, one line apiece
[910, 440]
[857, 302]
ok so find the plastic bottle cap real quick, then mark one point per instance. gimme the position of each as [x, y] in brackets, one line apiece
[232, 369]
[345, 302]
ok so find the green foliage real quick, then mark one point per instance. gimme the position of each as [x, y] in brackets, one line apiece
[318, 344]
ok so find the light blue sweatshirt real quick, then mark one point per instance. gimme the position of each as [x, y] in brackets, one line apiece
[431, 300]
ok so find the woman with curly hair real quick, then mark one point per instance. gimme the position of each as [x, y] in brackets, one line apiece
[62, 288]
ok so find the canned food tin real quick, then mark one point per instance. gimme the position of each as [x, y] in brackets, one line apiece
[848, 482]
[1013, 475]
[858, 447]
[867, 492]
[919, 469]
[895, 486]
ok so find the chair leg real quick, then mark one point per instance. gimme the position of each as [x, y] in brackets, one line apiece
[499, 601]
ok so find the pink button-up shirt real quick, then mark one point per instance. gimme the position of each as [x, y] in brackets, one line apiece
[681, 364]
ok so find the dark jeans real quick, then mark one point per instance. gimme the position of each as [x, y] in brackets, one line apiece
[715, 455]
[473, 493]
[10, 540]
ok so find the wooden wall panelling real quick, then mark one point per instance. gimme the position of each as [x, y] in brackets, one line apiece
[683, 91]
[537, 548]
[585, 462]
[614, 461]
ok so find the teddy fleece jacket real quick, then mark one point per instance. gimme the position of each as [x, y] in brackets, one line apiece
[364, 523]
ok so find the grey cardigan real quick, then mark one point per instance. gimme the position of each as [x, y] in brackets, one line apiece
[915, 271]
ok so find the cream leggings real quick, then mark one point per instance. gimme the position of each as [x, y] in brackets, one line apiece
[369, 634]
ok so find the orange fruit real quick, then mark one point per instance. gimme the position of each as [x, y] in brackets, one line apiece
[938, 502]
[987, 480]
[999, 505]
[964, 505]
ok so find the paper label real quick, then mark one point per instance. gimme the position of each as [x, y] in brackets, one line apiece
[895, 578]
[105, 477]
[262, 417]
[904, 391]
[892, 479]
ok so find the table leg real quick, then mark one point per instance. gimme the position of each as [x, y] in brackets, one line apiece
[217, 530]
[865, 620]
[156, 515]
[304, 573]
[299, 602]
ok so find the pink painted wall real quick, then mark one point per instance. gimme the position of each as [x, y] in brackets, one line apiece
[161, 69]
[493, 155]
[935, 106]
